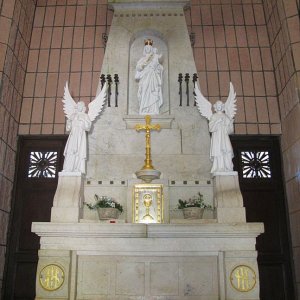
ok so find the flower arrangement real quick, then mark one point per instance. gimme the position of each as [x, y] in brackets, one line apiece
[195, 201]
[104, 202]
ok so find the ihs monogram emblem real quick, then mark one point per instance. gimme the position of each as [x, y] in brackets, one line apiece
[51, 277]
[243, 278]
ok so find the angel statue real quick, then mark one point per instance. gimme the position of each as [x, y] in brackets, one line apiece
[78, 123]
[220, 126]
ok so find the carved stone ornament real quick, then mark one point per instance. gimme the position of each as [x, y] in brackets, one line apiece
[51, 277]
[243, 278]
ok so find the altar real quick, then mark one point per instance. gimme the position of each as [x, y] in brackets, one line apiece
[154, 261]
[151, 252]
[209, 258]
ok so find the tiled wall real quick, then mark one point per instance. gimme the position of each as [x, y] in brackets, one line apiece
[232, 44]
[284, 31]
[16, 19]
[66, 44]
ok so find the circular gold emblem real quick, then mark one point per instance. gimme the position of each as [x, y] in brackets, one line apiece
[243, 278]
[52, 277]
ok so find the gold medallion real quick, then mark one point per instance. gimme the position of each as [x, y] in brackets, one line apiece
[243, 278]
[52, 277]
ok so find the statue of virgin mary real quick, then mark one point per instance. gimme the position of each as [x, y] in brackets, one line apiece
[149, 74]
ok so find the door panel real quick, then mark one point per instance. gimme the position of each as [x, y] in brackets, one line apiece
[260, 208]
[39, 161]
[258, 162]
[272, 276]
[33, 211]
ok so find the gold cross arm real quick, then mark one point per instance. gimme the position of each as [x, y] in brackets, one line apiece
[148, 125]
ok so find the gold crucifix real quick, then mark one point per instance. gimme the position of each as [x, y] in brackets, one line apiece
[147, 127]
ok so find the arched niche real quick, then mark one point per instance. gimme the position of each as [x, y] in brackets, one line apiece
[136, 48]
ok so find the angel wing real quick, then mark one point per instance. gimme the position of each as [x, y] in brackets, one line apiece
[230, 104]
[203, 105]
[96, 106]
[68, 102]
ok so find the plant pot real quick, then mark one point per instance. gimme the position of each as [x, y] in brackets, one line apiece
[193, 212]
[106, 213]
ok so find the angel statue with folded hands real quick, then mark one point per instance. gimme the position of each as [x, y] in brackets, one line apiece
[220, 126]
[78, 124]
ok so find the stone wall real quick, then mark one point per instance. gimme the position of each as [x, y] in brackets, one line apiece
[231, 43]
[284, 32]
[16, 19]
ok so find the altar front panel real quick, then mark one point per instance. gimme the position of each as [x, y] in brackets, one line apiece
[136, 277]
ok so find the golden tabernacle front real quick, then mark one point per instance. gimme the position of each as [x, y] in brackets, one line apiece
[147, 203]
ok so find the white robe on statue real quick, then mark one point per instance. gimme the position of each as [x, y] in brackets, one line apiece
[76, 148]
[149, 74]
[221, 153]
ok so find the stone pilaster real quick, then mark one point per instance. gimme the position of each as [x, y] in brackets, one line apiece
[241, 275]
[53, 278]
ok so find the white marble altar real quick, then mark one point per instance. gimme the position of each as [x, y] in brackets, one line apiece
[181, 150]
[139, 261]
[209, 259]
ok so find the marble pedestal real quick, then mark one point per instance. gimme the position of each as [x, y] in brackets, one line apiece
[147, 262]
[68, 199]
[228, 198]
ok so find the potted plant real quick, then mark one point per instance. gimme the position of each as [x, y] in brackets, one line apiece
[107, 207]
[194, 207]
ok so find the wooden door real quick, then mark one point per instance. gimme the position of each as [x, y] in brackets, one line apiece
[258, 162]
[39, 161]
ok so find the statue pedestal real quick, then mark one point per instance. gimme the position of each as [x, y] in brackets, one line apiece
[68, 199]
[228, 198]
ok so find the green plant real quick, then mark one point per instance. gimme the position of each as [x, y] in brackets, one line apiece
[195, 201]
[104, 202]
